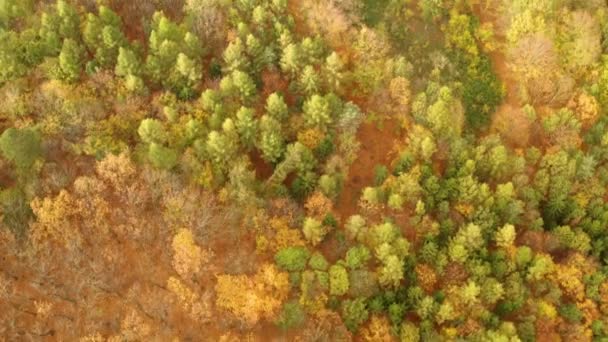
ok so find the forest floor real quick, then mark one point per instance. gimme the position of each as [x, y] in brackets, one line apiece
[376, 146]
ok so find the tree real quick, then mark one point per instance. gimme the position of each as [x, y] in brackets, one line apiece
[338, 280]
[293, 158]
[355, 227]
[187, 69]
[291, 59]
[257, 53]
[317, 112]
[271, 143]
[245, 86]
[55, 27]
[174, 56]
[334, 72]
[409, 332]
[292, 316]
[350, 118]
[127, 63]
[444, 116]
[188, 258]
[505, 236]
[103, 36]
[400, 93]
[70, 61]
[318, 262]
[253, 298]
[152, 131]
[357, 256]
[246, 126]
[276, 107]
[378, 330]
[354, 313]
[292, 259]
[581, 37]
[391, 273]
[221, 148]
[314, 231]
[309, 81]
[234, 56]
[21, 146]
[162, 157]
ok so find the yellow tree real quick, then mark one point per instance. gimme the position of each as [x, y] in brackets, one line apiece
[253, 297]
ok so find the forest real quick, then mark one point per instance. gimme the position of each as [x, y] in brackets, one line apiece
[303, 170]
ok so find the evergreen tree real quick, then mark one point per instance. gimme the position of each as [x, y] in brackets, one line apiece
[271, 143]
[70, 61]
[127, 63]
[309, 81]
[246, 126]
[317, 112]
[291, 59]
[276, 107]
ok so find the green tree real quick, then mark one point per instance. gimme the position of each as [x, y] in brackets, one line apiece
[338, 280]
[21, 146]
[293, 158]
[355, 227]
[70, 61]
[276, 107]
[292, 316]
[314, 231]
[291, 59]
[127, 63]
[357, 256]
[256, 52]
[246, 125]
[221, 148]
[444, 116]
[58, 25]
[152, 131]
[162, 157]
[390, 273]
[309, 81]
[292, 259]
[234, 56]
[318, 262]
[505, 236]
[245, 86]
[317, 112]
[271, 143]
[354, 313]
[312, 50]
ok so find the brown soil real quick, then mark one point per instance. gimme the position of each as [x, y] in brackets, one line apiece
[263, 170]
[377, 147]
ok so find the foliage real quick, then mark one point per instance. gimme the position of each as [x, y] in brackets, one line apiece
[292, 258]
[338, 280]
[354, 313]
[21, 146]
[368, 149]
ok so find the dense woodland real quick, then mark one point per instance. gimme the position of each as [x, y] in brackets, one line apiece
[303, 170]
